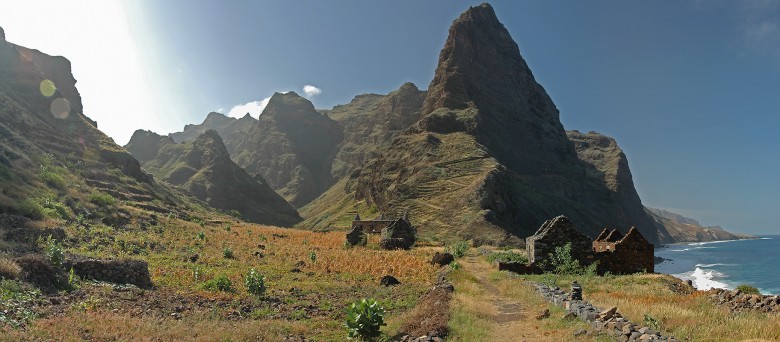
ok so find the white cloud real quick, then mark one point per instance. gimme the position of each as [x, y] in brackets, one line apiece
[311, 90]
[254, 108]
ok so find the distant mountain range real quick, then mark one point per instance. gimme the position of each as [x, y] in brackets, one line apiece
[481, 154]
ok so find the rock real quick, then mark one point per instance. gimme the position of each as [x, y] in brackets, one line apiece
[544, 314]
[2, 33]
[628, 329]
[447, 287]
[569, 316]
[579, 332]
[607, 314]
[194, 257]
[442, 259]
[389, 280]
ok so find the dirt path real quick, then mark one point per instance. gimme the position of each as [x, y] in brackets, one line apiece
[510, 319]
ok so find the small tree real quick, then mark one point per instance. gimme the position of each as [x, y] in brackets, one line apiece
[561, 261]
[364, 319]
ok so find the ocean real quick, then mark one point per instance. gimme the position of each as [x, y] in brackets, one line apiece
[725, 264]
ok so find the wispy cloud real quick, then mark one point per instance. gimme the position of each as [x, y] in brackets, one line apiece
[254, 108]
[311, 90]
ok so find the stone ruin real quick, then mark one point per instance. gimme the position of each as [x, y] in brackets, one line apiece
[395, 234]
[614, 252]
[620, 254]
[557, 232]
[125, 271]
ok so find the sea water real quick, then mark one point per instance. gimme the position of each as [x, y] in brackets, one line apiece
[725, 264]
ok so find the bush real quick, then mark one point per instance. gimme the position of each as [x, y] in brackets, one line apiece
[102, 199]
[364, 319]
[561, 261]
[313, 256]
[227, 253]
[455, 265]
[52, 179]
[54, 252]
[30, 209]
[507, 256]
[220, 283]
[201, 235]
[255, 283]
[9, 269]
[744, 288]
[459, 249]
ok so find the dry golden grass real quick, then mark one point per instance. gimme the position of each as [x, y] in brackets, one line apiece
[9, 269]
[683, 316]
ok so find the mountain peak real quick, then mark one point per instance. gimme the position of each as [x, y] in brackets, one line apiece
[284, 102]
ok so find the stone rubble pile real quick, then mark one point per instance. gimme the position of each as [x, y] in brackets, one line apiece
[737, 301]
[606, 322]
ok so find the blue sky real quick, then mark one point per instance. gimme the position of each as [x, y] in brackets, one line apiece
[690, 89]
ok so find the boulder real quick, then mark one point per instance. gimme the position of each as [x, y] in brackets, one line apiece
[389, 280]
[442, 259]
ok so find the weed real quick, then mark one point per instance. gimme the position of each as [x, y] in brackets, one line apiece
[744, 288]
[227, 253]
[102, 199]
[459, 249]
[364, 319]
[651, 322]
[255, 283]
[507, 256]
[455, 265]
[313, 256]
[221, 283]
[54, 252]
[201, 235]
[9, 269]
[226, 227]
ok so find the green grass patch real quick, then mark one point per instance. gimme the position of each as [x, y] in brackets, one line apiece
[102, 199]
[507, 256]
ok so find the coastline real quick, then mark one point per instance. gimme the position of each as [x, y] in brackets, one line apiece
[723, 264]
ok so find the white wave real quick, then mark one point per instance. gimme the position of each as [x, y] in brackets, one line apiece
[704, 247]
[766, 238]
[703, 280]
[680, 250]
[709, 242]
[713, 265]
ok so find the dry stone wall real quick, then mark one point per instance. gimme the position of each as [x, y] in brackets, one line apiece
[125, 271]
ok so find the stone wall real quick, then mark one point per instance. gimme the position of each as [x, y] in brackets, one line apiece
[605, 322]
[557, 232]
[627, 254]
[124, 271]
[737, 301]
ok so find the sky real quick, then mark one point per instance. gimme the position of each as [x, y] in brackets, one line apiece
[690, 89]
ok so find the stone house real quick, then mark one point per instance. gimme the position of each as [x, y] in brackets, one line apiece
[371, 226]
[620, 254]
[557, 232]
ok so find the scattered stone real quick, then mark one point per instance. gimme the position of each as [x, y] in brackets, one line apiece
[569, 316]
[442, 259]
[607, 314]
[389, 280]
[580, 332]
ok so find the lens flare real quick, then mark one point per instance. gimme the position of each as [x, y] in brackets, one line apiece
[47, 88]
[60, 108]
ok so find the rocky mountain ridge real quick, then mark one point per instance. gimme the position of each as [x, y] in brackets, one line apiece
[203, 168]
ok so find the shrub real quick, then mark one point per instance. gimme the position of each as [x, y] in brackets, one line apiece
[364, 319]
[55, 209]
[9, 269]
[54, 252]
[52, 179]
[201, 235]
[220, 283]
[561, 261]
[31, 209]
[507, 256]
[102, 199]
[459, 249]
[744, 288]
[455, 265]
[227, 253]
[235, 213]
[255, 283]
[313, 256]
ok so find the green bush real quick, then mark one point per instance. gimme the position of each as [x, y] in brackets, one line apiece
[220, 283]
[364, 319]
[31, 209]
[52, 179]
[102, 199]
[454, 265]
[458, 250]
[227, 253]
[507, 256]
[54, 252]
[313, 256]
[55, 209]
[201, 235]
[562, 262]
[744, 288]
[255, 283]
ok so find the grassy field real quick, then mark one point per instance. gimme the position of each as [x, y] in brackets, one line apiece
[310, 278]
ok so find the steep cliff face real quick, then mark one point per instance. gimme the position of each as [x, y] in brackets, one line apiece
[370, 122]
[47, 145]
[489, 152]
[204, 169]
